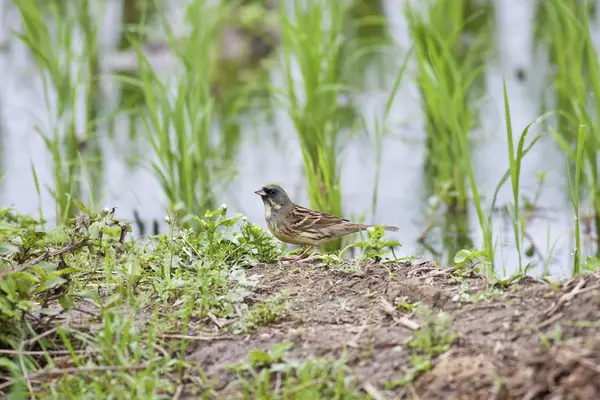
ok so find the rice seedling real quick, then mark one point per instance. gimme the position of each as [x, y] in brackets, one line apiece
[312, 36]
[380, 126]
[366, 51]
[48, 32]
[135, 19]
[446, 73]
[566, 26]
[487, 255]
[189, 142]
[135, 14]
[515, 159]
[574, 192]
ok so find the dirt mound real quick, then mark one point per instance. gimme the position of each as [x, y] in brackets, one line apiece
[531, 340]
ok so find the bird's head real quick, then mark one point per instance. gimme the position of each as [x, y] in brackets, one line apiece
[274, 196]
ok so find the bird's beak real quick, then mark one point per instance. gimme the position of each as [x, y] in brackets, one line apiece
[260, 192]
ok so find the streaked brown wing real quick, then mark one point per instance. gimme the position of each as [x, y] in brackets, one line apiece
[302, 218]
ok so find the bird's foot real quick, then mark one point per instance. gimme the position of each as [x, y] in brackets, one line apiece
[314, 256]
[293, 258]
[302, 256]
[290, 259]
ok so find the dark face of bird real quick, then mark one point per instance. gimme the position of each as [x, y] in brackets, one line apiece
[274, 198]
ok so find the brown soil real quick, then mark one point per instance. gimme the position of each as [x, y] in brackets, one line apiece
[506, 347]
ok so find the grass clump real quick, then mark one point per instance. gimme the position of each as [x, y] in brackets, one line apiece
[264, 312]
[112, 358]
[434, 337]
[191, 148]
[23, 284]
[312, 36]
[36, 265]
[66, 72]
[567, 33]
[447, 70]
[274, 375]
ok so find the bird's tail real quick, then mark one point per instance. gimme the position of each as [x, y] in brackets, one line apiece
[391, 228]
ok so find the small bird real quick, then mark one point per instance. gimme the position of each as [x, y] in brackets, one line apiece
[295, 224]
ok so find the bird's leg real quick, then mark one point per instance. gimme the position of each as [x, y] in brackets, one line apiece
[299, 257]
[305, 253]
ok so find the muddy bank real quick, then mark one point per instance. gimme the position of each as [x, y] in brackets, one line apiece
[530, 340]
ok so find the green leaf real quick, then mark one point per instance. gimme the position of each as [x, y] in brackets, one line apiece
[462, 256]
[96, 228]
[66, 301]
[49, 284]
[50, 311]
[281, 367]
[7, 248]
[280, 349]
[31, 238]
[47, 267]
[259, 357]
[81, 206]
[23, 276]
[9, 365]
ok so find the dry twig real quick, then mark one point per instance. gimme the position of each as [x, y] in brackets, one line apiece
[391, 311]
[191, 337]
[373, 391]
[43, 257]
[565, 298]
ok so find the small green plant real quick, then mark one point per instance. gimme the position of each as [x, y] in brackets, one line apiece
[33, 270]
[404, 304]
[468, 261]
[260, 358]
[433, 338]
[503, 283]
[264, 312]
[274, 375]
[249, 243]
[466, 297]
[553, 339]
[515, 159]
[375, 248]
[591, 264]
